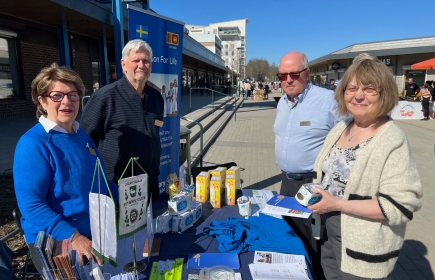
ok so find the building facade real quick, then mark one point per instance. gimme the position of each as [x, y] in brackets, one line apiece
[232, 35]
[397, 55]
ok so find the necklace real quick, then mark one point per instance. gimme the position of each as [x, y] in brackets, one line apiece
[351, 136]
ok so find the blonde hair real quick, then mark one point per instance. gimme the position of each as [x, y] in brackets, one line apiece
[45, 79]
[370, 72]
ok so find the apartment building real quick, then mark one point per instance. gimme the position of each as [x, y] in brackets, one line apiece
[227, 39]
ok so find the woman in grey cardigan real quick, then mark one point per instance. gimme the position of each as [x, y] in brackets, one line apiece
[371, 185]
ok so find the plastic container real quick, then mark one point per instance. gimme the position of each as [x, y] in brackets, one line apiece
[219, 272]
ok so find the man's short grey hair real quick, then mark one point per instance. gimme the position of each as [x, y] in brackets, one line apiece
[304, 58]
[135, 45]
[363, 56]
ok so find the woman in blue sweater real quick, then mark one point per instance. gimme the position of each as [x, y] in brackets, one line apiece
[54, 165]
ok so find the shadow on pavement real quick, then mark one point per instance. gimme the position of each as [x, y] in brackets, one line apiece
[265, 183]
[411, 259]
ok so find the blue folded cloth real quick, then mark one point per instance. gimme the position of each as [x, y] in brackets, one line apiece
[262, 233]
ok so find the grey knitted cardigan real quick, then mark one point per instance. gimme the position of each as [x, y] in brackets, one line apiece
[384, 170]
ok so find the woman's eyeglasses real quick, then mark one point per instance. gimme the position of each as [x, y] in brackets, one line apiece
[294, 75]
[57, 96]
[367, 90]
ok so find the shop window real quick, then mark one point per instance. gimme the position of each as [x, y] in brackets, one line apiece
[9, 74]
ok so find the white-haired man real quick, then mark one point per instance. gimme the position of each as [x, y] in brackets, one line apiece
[124, 118]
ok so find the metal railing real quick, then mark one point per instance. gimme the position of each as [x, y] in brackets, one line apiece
[213, 93]
[201, 138]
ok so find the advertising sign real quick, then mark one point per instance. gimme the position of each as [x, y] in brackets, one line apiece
[165, 36]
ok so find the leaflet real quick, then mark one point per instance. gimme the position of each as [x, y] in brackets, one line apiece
[276, 210]
[289, 271]
[259, 199]
[264, 257]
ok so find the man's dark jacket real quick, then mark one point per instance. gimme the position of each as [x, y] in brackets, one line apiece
[123, 125]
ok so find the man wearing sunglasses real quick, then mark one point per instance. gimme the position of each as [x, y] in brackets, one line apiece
[304, 116]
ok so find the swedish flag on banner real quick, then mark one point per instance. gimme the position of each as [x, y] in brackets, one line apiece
[142, 31]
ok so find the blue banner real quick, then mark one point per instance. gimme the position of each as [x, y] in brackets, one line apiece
[165, 36]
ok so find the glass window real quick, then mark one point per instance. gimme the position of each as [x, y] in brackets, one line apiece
[96, 75]
[9, 77]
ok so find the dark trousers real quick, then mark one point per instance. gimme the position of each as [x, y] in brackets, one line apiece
[425, 104]
[302, 227]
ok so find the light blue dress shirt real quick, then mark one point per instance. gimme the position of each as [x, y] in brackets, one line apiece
[301, 129]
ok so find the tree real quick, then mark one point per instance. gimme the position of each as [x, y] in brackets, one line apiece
[273, 69]
[258, 68]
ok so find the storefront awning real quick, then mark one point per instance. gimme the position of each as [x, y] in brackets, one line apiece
[427, 64]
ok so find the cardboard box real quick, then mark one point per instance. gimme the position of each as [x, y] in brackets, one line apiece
[216, 192]
[221, 173]
[202, 186]
[232, 182]
[258, 97]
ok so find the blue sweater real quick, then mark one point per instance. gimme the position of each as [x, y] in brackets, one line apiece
[52, 176]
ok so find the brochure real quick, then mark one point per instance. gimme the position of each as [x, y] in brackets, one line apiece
[264, 257]
[286, 206]
[201, 260]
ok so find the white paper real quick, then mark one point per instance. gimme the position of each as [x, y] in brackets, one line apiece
[259, 199]
[133, 201]
[289, 271]
[96, 272]
[276, 210]
[103, 225]
[264, 257]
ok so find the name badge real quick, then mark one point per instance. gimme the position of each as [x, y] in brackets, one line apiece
[305, 123]
[90, 150]
[158, 123]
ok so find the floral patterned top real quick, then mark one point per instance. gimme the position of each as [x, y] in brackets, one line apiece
[337, 167]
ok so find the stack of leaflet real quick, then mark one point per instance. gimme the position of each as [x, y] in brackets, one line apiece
[169, 269]
[125, 276]
[60, 262]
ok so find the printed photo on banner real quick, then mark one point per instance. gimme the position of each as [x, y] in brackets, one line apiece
[167, 84]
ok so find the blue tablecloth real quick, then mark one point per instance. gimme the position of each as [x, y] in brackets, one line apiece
[176, 245]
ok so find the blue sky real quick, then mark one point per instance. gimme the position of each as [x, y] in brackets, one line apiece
[314, 27]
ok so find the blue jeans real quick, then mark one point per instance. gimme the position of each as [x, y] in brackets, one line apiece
[245, 95]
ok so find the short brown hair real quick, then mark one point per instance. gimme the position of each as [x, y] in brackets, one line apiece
[45, 79]
[370, 72]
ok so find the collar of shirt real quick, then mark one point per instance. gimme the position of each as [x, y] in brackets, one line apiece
[299, 98]
[51, 125]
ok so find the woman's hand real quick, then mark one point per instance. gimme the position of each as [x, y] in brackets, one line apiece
[328, 203]
[83, 246]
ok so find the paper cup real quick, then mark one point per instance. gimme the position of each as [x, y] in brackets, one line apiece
[244, 206]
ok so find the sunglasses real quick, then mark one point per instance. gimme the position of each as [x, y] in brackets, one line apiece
[293, 75]
[57, 96]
